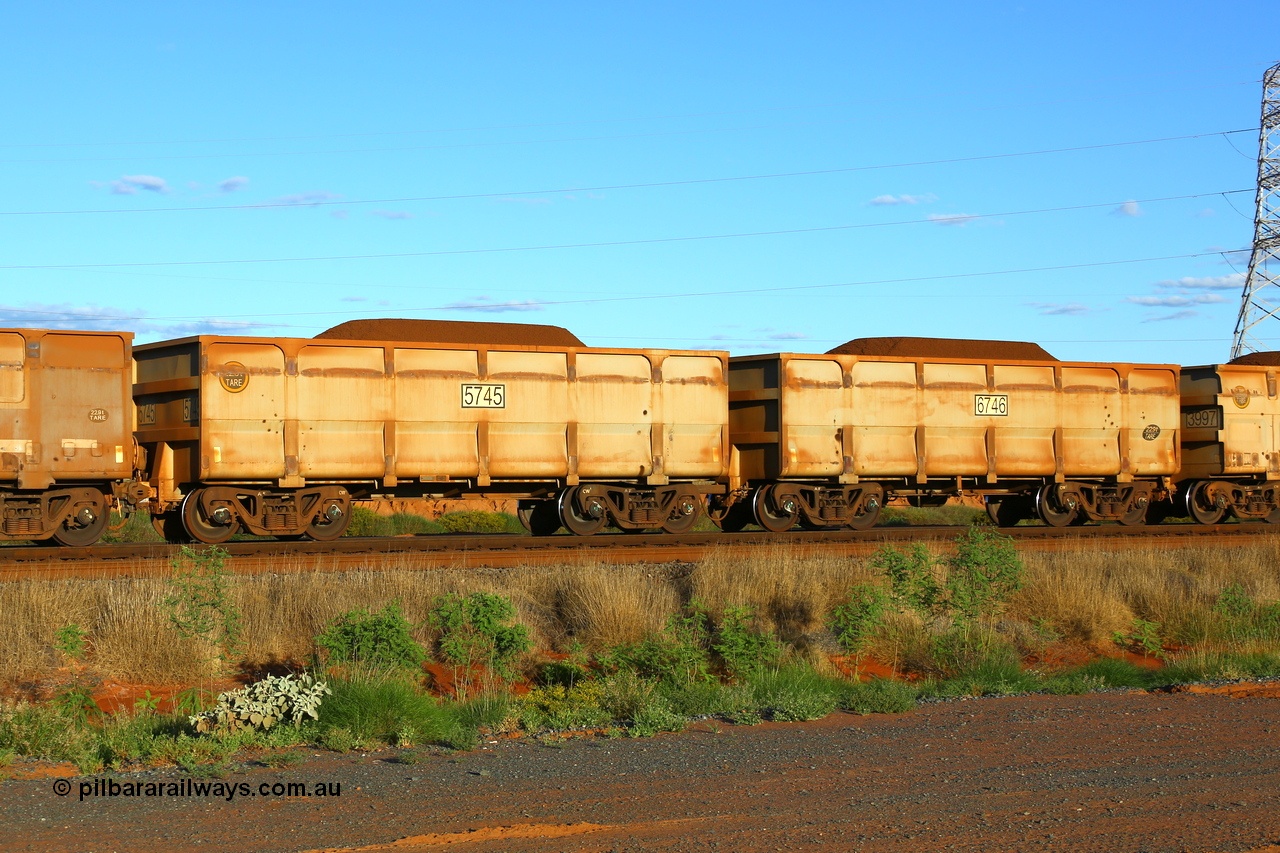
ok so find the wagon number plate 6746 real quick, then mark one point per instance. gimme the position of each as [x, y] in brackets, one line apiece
[991, 405]
[484, 396]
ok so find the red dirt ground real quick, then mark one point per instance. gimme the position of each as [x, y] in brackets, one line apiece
[1186, 771]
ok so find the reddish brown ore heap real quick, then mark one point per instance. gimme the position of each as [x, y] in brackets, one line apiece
[944, 348]
[453, 332]
[1270, 359]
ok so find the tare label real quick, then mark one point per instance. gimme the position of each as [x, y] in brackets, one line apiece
[991, 405]
[477, 395]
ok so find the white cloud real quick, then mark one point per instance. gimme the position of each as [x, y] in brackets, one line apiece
[1129, 208]
[1176, 301]
[1058, 309]
[303, 199]
[484, 303]
[1235, 281]
[130, 184]
[391, 214]
[231, 185]
[883, 200]
[956, 219]
[1177, 315]
[69, 315]
[788, 336]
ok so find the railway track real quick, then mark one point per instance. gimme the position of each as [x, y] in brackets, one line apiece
[507, 551]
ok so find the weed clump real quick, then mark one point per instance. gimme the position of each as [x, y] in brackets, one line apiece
[381, 639]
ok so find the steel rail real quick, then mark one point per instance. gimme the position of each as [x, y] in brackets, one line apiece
[509, 550]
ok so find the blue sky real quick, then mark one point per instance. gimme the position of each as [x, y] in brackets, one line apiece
[750, 176]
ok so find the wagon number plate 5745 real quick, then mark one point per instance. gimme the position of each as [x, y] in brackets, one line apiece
[991, 405]
[484, 396]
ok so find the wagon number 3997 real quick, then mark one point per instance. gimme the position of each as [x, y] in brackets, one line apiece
[991, 405]
[484, 396]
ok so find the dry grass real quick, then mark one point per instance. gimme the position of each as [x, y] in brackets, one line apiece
[1089, 594]
[1084, 595]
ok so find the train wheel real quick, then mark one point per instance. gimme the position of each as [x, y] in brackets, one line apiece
[1201, 508]
[583, 523]
[1050, 511]
[330, 524]
[769, 514]
[685, 512]
[1134, 517]
[86, 523]
[539, 517]
[202, 528]
[869, 515]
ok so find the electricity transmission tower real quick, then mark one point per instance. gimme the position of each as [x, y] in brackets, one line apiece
[1261, 297]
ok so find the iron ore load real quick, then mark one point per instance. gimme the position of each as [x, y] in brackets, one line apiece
[824, 440]
[66, 438]
[279, 436]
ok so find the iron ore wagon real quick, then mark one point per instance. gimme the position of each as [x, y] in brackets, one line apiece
[278, 436]
[1230, 442]
[825, 440]
[66, 433]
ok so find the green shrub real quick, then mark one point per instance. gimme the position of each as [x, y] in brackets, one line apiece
[678, 654]
[709, 698]
[966, 648]
[1238, 618]
[70, 640]
[795, 694]
[384, 706]
[983, 573]
[379, 639]
[1114, 672]
[474, 631]
[201, 602]
[476, 521]
[742, 647]
[367, 522]
[911, 576]
[878, 696]
[1143, 636]
[558, 707]
[855, 621]
[993, 675]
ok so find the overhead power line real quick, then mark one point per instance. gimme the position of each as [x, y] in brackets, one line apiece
[944, 219]
[267, 205]
[650, 296]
